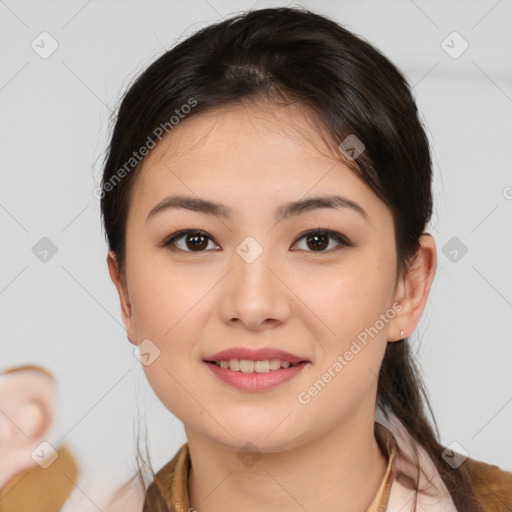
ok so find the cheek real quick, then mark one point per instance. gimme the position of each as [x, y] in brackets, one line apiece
[351, 337]
[169, 385]
[164, 299]
[348, 299]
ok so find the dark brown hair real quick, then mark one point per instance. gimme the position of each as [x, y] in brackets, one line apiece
[294, 55]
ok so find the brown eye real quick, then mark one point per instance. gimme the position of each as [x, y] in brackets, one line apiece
[197, 241]
[193, 241]
[317, 241]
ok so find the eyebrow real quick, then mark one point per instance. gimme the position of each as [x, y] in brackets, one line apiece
[283, 212]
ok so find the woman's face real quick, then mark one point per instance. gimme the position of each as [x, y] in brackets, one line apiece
[256, 279]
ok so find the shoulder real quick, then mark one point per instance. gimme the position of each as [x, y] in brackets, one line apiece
[493, 485]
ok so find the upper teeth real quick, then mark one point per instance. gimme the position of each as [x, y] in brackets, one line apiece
[248, 366]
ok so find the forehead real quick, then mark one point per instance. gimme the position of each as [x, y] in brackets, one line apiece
[247, 150]
[237, 132]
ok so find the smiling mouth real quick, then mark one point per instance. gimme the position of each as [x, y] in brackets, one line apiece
[250, 366]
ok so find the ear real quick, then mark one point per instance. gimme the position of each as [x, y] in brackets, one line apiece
[413, 288]
[28, 405]
[124, 299]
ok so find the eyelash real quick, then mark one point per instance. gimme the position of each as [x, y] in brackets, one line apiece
[338, 237]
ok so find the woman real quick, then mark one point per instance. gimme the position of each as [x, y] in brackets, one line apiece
[265, 198]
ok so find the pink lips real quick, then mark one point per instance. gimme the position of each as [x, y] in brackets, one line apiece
[255, 381]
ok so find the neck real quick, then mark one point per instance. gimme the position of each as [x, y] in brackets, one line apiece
[339, 470]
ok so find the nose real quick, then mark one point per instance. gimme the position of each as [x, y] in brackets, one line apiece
[255, 293]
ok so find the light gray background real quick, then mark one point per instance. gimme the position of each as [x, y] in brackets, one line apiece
[64, 314]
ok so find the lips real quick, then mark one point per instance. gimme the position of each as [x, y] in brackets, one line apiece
[260, 354]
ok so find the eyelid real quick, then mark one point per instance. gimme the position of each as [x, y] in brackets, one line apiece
[341, 239]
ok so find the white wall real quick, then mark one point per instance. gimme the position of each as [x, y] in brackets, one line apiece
[64, 314]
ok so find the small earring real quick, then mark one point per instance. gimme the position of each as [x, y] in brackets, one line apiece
[401, 333]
